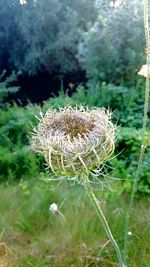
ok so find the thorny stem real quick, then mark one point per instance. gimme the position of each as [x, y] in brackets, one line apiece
[145, 118]
[102, 218]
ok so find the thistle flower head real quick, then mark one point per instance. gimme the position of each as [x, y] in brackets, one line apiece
[74, 140]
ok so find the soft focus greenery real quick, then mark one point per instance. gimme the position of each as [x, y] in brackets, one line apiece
[111, 50]
[16, 123]
[38, 238]
[6, 88]
[60, 36]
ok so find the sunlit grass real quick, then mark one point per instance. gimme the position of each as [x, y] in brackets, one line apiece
[38, 238]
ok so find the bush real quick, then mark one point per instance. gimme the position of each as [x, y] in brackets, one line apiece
[6, 87]
[18, 163]
[125, 102]
[16, 158]
[125, 164]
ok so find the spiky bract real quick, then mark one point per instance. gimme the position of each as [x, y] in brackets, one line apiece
[73, 140]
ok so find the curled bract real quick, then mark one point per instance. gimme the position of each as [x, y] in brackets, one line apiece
[74, 140]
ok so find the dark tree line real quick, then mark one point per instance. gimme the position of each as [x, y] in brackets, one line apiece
[105, 38]
[42, 35]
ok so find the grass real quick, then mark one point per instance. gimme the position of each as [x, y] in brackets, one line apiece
[31, 236]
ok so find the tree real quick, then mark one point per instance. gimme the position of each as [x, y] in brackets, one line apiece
[112, 49]
[9, 12]
[44, 35]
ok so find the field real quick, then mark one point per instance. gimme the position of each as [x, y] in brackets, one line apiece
[31, 235]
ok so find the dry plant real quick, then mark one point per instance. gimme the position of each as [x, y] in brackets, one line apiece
[74, 143]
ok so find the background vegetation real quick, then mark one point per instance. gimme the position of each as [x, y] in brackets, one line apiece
[94, 49]
[47, 41]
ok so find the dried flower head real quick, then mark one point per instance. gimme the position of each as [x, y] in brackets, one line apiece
[73, 140]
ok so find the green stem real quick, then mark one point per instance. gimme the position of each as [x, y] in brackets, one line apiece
[143, 145]
[102, 218]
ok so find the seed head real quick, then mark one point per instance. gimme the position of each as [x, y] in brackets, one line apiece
[53, 208]
[74, 140]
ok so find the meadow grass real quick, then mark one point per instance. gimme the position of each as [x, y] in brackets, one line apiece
[35, 237]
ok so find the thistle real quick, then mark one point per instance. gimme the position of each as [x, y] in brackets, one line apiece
[74, 140]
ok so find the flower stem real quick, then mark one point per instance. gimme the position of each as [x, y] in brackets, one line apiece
[102, 218]
[145, 118]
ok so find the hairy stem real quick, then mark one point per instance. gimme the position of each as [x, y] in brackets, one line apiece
[102, 218]
[143, 144]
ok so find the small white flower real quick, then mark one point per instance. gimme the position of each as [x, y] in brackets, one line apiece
[130, 233]
[53, 208]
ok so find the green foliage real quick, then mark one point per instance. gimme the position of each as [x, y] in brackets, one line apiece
[111, 49]
[125, 164]
[9, 34]
[59, 101]
[105, 40]
[16, 158]
[125, 102]
[39, 238]
[53, 47]
[6, 87]
[15, 123]
[17, 163]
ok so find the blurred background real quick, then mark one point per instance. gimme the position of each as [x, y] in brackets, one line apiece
[57, 53]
